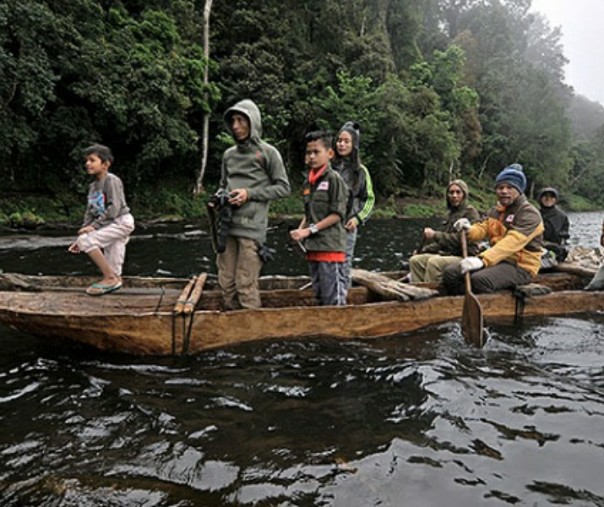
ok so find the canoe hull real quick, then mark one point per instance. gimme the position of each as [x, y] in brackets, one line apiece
[151, 330]
[215, 330]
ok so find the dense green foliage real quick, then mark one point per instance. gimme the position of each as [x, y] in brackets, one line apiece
[441, 88]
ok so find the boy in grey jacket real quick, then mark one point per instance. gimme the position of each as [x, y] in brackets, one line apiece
[252, 175]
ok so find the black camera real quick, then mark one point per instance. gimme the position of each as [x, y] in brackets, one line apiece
[220, 199]
[266, 253]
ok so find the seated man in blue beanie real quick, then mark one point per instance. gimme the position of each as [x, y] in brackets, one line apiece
[515, 232]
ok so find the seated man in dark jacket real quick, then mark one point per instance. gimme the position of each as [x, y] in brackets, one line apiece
[555, 222]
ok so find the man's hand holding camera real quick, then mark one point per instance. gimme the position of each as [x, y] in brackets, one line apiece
[238, 197]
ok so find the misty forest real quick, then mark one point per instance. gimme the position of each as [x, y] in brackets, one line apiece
[441, 89]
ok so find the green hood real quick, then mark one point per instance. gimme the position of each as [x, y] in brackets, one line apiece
[466, 192]
[250, 110]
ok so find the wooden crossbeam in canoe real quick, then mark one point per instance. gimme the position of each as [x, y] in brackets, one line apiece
[389, 289]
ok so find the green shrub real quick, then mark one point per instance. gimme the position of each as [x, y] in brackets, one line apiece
[26, 220]
[384, 213]
[290, 205]
[579, 203]
[419, 210]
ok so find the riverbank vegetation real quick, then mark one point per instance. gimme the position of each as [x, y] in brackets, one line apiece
[441, 89]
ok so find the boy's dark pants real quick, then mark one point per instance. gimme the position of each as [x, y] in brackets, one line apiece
[501, 276]
[329, 281]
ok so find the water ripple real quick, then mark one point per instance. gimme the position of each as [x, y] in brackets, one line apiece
[20, 392]
[421, 419]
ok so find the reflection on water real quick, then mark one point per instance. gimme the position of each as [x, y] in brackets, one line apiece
[171, 250]
[418, 420]
[415, 420]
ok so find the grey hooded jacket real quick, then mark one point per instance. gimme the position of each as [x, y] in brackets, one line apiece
[256, 166]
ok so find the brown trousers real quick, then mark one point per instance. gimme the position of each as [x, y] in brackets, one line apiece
[238, 271]
[430, 267]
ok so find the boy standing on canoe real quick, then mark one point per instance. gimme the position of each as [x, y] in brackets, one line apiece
[439, 249]
[515, 232]
[322, 228]
[107, 221]
[252, 175]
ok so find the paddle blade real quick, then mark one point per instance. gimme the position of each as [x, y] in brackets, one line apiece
[471, 321]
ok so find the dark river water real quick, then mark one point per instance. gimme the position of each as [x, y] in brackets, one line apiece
[415, 420]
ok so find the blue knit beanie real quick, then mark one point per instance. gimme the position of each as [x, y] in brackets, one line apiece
[513, 175]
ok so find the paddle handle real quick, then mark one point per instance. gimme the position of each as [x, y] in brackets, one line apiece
[298, 243]
[471, 317]
[464, 253]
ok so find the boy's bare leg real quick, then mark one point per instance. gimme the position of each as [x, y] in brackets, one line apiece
[109, 276]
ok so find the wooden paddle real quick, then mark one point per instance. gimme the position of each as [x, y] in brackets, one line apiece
[471, 318]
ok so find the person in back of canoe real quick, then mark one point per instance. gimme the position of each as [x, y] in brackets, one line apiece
[347, 162]
[322, 228]
[515, 232]
[108, 222]
[252, 175]
[597, 282]
[439, 249]
[556, 225]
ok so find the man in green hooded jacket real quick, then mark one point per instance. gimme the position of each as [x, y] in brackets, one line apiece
[439, 249]
[252, 175]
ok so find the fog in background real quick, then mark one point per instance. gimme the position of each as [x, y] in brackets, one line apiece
[582, 23]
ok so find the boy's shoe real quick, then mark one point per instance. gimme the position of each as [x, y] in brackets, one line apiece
[99, 289]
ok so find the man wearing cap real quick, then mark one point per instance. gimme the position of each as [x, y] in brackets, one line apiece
[514, 230]
[555, 222]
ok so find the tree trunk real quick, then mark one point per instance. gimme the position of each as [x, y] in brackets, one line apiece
[205, 134]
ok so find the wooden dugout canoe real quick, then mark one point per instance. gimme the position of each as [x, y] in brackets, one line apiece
[141, 319]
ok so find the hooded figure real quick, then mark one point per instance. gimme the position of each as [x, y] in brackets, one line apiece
[439, 249]
[252, 175]
[256, 166]
[447, 242]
